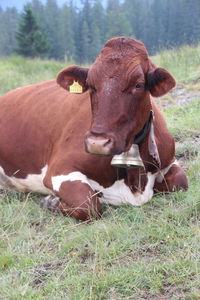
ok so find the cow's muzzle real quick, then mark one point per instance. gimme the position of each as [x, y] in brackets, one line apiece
[99, 145]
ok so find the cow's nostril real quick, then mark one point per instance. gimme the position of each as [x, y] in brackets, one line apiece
[99, 145]
[107, 142]
[101, 142]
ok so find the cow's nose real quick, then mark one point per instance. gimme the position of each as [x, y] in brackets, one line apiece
[99, 145]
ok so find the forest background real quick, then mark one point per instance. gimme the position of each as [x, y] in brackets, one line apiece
[78, 33]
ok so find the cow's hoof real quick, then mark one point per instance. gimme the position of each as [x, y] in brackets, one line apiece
[50, 202]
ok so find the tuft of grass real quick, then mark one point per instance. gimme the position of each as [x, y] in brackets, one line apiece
[183, 63]
[17, 71]
[6, 260]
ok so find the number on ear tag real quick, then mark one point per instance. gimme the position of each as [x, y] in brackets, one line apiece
[75, 88]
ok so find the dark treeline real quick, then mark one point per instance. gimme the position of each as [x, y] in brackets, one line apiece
[79, 33]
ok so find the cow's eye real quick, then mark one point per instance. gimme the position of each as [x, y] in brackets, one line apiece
[139, 85]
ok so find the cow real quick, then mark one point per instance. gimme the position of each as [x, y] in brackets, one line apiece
[61, 144]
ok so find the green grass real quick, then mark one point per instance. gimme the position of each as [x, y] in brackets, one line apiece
[183, 63]
[150, 252]
[17, 71]
[131, 253]
[184, 121]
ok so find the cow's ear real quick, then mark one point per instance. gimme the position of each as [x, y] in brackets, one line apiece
[160, 82]
[67, 76]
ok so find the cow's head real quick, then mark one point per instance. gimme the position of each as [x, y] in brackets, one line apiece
[120, 82]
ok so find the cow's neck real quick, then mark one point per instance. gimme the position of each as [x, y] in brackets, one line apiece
[140, 136]
[146, 141]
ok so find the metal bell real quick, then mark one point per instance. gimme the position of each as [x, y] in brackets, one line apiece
[128, 159]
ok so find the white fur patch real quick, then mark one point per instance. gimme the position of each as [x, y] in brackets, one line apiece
[74, 176]
[119, 193]
[33, 182]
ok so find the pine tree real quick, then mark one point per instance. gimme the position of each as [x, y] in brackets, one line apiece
[84, 44]
[158, 25]
[190, 17]
[8, 22]
[196, 21]
[39, 12]
[76, 28]
[97, 29]
[84, 36]
[96, 43]
[79, 33]
[176, 23]
[1, 12]
[99, 19]
[67, 34]
[117, 22]
[31, 42]
[52, 27]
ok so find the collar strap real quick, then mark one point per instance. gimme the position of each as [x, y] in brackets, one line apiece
[142, 134]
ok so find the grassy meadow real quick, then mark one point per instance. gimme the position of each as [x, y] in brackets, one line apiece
[150, 252]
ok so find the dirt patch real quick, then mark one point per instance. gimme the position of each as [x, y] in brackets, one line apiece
[166, 294]
[144, 253]
[42, 272]
[38, 226]
[86, 256]
[181, 95]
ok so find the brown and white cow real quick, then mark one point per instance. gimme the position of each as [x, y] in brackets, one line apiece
[45, 130]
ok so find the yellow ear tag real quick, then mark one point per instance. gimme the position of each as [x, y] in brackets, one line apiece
[75, 88]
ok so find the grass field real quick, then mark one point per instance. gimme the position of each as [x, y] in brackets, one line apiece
[151, 252]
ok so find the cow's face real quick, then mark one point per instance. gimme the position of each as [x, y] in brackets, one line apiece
[120, 83]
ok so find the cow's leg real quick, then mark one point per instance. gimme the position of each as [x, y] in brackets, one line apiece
[50, 202]
[174, 180]
[74, 196]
